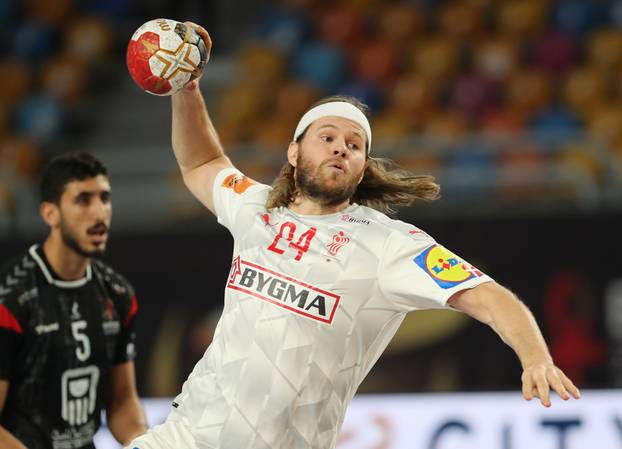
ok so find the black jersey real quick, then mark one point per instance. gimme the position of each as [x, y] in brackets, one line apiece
[58, 343]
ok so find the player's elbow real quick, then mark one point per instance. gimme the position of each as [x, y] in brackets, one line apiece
[480, 302]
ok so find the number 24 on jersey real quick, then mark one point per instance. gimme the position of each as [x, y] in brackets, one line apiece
[288, 233]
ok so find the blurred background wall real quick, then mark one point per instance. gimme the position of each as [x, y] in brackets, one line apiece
[514, 105]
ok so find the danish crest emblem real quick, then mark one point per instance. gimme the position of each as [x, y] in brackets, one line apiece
[338, 242]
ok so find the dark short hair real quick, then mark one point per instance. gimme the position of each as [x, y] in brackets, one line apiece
[64, 169]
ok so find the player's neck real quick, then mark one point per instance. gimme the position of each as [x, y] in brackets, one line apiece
[306, 206]
[65, 262]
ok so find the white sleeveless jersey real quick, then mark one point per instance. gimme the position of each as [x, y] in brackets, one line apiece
[310, 304]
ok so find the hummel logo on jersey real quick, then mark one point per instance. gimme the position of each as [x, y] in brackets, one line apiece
[350, 219]
[46, 328]
[283, 291]
[417, 232]
[27, 295]
[266, 220]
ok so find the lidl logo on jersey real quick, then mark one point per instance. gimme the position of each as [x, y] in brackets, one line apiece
[447, 269]
[238, 183]
[283, 291]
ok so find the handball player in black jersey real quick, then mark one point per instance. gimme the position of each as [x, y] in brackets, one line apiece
[67, 322]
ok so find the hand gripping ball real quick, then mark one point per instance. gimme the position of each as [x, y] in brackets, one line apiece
[164, 55]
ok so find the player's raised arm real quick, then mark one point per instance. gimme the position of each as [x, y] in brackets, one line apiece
[496, 306]
[197, 147]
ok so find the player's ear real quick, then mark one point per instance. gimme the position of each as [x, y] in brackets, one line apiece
[292, 153]
[50, 213]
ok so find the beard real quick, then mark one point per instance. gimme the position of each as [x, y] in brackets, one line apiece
[70, 240]
[314, 185]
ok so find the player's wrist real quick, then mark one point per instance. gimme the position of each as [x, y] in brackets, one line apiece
[541, 360]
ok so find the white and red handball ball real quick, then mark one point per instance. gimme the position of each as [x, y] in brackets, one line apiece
[164, 55]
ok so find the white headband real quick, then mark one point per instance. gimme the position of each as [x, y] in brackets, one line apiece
[338, 109]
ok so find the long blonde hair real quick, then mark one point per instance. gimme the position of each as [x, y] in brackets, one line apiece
[384, 184]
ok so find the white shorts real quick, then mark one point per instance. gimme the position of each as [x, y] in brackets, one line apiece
[174, 433]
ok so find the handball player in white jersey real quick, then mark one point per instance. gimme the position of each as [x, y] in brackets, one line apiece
[320, 281]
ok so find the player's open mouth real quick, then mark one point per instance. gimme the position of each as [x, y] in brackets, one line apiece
[337, 167]
[99, 233]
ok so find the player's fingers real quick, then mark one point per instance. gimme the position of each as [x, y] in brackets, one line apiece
[571, 387]
[534, 392]
[556, 384]
[203, 33]
[527, 387]
[543, 390]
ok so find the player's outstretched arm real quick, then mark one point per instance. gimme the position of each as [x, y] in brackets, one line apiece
[197, 147]
[496, 306]
[7, 440]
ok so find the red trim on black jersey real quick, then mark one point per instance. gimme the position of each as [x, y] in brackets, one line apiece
[133, 311]
[8, 320]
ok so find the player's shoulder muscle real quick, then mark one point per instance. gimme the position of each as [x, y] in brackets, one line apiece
[385, 225]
